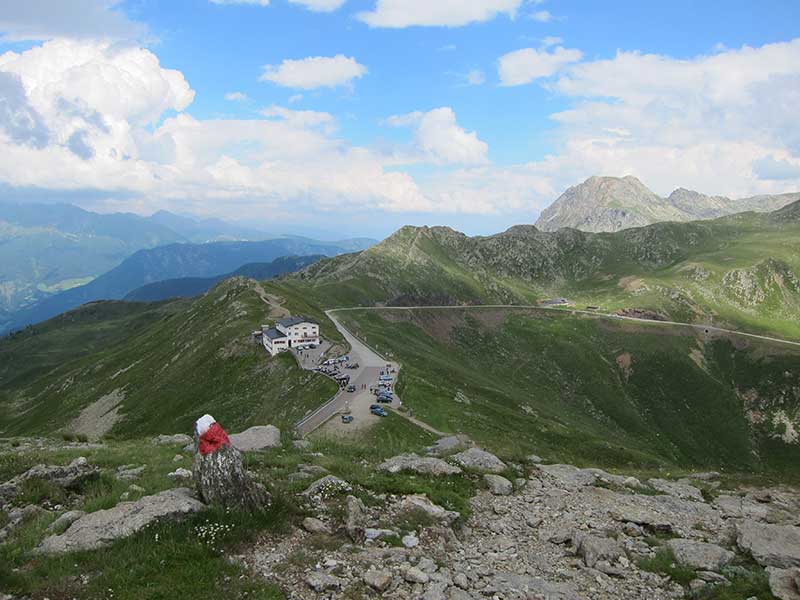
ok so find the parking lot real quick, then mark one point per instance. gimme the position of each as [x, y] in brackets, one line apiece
[356, 403]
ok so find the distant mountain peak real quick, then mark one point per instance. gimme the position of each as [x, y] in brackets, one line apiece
[607, 204]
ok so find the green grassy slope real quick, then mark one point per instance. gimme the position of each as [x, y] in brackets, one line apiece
[593, 391]
[191, 361]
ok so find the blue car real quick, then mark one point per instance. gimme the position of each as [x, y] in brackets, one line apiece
[347, 418]
[379, 411]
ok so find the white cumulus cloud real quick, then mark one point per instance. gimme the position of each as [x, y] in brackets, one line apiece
[236, 97]
[314, 72]
[79, 19]
[442, 13]
[320, 5]
[438, 138]
[528, 64]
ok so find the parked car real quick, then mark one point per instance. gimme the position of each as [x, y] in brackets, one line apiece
[351, 388]
[379, 411]
[385, 399]
[347, 418]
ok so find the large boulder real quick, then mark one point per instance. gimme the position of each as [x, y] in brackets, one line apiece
[771, 545]
[498, 485]
[569, 475]
[327, 486]
[594, 549]
[260, 437]
[103, 527]
[784, 583]
[421, 503]
[418, 464]
[700, 556]
[480, 460]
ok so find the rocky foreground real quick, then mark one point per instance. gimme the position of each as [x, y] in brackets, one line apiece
[534, 531]
[554, 532]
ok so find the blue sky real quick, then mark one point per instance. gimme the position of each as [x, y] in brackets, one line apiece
[476, 115]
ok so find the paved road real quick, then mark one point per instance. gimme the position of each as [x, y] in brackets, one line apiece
[372, 363]
[599, 315]
[357, 403]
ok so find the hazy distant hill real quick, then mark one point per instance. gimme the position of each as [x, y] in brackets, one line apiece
[208, 230]
[616, 203]
[47, 248]
[171, 262]
[188, 287]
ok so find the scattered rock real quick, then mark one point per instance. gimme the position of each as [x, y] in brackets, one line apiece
[177, 458]
[65, 520]
[355, 518]
[535, 459]
[322, 582]
[101, 528]
[173, 440]
[129, 472]
[700, 556]
[449, 444]
[771, 545]
[69, 477]
[594, 549]
[416, 575]
[677, 489]
[180, 473]
[418, 464]
[378, 579]
[313, 525]
[410, 541]
[301, 444]
[372, 533]
[498, 485]
[260, 437]
[420, 502]
[569, 475]
[329, 485]
[475, 458]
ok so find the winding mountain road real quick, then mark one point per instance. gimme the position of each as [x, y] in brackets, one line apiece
[371, 364]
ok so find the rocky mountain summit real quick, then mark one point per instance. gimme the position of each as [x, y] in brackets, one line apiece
[607, 204]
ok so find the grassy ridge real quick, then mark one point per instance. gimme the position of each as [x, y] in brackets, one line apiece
[592, 392]
[170, 371]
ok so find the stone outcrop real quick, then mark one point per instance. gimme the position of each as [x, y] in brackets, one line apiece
[480, 460]
[70, 477]
[771, 545]
[254, 439]
[418, 464]
[179, 439]
[103, 527]
[700, 556]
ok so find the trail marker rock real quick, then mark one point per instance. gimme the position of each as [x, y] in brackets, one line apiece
[219, 473]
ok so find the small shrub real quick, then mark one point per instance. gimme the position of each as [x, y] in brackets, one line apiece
[743, 584]
[37, 491]
[68, 437]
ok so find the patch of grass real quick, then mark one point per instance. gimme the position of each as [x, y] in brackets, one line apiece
[743, 584]
[414, 520]
[664, 563]
[39, 491]
[167, 559]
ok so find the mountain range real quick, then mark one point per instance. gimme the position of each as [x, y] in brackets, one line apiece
[518, 378]
[188, 287]
[171, 262]
[607, 204]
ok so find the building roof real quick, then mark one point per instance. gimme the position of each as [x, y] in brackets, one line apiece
[274, 334]
[289, 321]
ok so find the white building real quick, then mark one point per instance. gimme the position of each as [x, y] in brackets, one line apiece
[291, 332]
